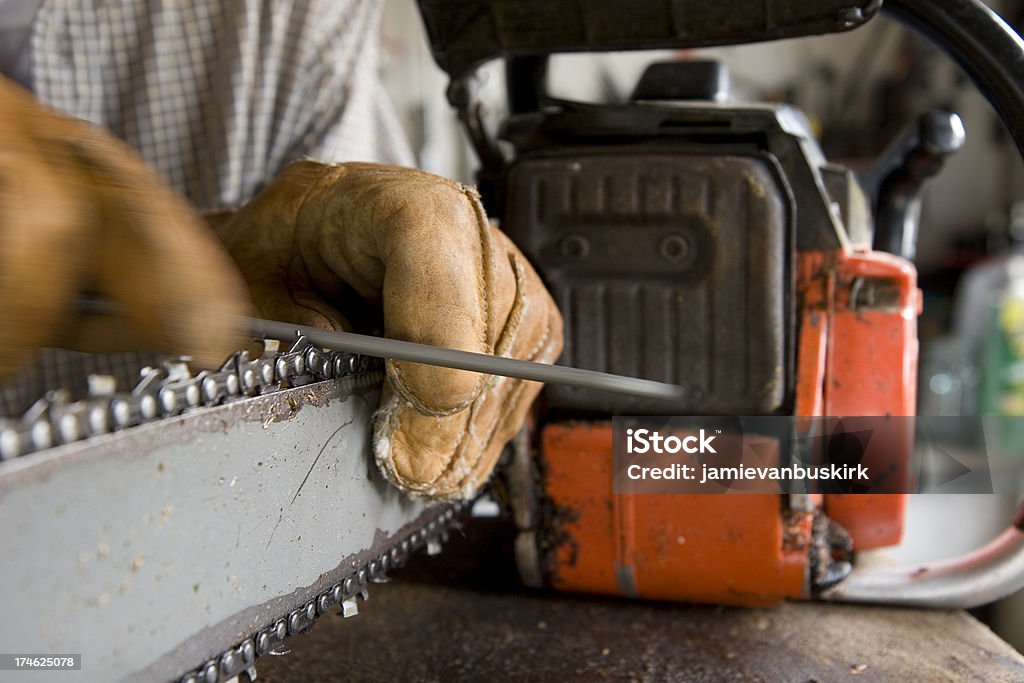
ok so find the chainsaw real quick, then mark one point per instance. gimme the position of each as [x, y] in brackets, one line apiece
[694, 239]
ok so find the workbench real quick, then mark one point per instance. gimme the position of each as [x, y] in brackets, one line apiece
[462, 616]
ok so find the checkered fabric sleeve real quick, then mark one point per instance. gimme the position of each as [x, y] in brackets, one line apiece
[216, 95]
[219, 95]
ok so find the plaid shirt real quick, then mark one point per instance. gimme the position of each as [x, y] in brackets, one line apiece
[218, 95]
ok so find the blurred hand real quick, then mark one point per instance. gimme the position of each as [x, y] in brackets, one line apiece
[80, 212]
[322, 238]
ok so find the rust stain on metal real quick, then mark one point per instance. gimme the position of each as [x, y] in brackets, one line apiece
[755, 186]
[796, 530]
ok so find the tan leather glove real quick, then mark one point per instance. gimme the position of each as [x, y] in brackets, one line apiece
[80, 212]
[419, 247]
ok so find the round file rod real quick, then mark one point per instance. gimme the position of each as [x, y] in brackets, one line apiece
[381, 347]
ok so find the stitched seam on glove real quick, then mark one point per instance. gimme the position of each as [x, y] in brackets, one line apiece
[485, 280]
[472, 482]
[515, 316]
[386, 422]
[459, 467]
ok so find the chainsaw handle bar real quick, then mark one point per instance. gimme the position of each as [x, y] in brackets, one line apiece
[992, 55]
[985, 46]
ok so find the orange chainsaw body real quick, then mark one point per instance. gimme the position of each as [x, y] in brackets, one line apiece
[856, 355]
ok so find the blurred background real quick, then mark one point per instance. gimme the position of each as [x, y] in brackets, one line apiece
[858, 89]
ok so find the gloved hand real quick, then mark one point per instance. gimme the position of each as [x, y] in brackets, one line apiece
[80, 212]
[420, 248]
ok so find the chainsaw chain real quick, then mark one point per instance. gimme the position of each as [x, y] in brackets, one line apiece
[174, 390]
[171, 390]
[240, 660]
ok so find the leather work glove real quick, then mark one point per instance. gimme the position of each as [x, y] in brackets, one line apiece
[81, 212]
[421, 249]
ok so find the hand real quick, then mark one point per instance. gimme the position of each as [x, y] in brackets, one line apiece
[80, 212]
[363, 236]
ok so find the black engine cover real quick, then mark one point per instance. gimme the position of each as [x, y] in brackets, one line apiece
[666, 264]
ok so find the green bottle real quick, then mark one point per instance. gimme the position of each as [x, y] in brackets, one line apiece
[1002, 362]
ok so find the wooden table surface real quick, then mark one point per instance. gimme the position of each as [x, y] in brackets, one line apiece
[462, 617]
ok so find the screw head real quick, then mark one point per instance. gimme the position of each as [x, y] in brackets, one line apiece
[675, 249]
[574, 247]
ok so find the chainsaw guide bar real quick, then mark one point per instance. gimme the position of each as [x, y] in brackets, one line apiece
[182, 529]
